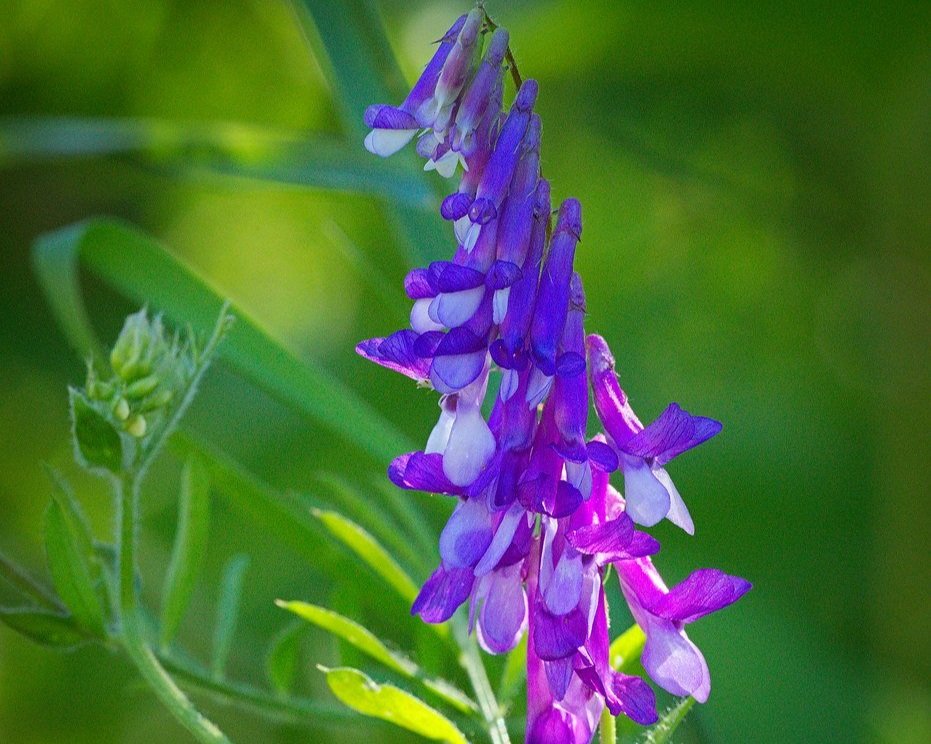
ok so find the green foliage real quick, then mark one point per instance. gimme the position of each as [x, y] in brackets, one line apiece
[282, 662]
[190, 546]
[625, 650]
[97, 444]
[390, 703]
[228, 612]
[370, 551]
[73, 564]
[45, 627]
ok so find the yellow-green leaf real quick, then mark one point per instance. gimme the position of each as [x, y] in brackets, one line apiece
[626, 648]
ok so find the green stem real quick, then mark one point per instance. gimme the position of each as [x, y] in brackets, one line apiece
[607, 731]
[484, 695]
[127, 489]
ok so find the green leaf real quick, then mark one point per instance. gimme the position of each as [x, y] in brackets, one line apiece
[283, 659]
[190, 546]
[97, 444]
[45, 627]
[626, 649]
[390, 703]
[369, 550]
[238, 150]
[227, 612]
[144, 271]
[661, 733]
[71, 563]
[514, 675]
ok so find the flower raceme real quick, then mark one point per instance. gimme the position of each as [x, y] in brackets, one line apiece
[537, 522]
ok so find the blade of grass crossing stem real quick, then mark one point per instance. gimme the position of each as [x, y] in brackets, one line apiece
[190, 546]
[20, 579]
[227, 613]
[662, 732]
[350, 42]
[362, 694]
[144, 271]
[368, 643]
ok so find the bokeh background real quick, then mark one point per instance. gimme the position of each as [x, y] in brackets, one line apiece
[755, 184]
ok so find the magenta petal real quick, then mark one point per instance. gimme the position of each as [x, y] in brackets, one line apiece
[558, 675]
[703, 592]
[556, 637]
[442, 594]
[634, 698]
[553, 727]
[396, 352]
[674, 432]
[607, 537]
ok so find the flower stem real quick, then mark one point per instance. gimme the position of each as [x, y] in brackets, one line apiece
[607, 731]
[472, 663]
[133, 635]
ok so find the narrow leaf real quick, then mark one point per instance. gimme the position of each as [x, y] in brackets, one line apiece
[661, 733]
[18, 578]
[514, 675]
[390, 703]
[71, 570]
[140, 268]
[227, 612]
[48, 628]
[626, 649]
[190, 546]
[283, 659]
[370, 551]
[236, 150]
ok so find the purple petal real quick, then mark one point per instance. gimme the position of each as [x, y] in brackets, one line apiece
[619, 419]
[558, 675]
[502, 274]
[427, 343]
[567, 500]
[608, 537]
[417, 284]
[449, 374]
[417, 471]
[602, 456]
[553, 727]
[383, 116]
[442, 594]
[570, 364]
[504, 536]
[705, 591]
[504, 614]
[455, 205]
[397, 352]
[446, 276]
[634, 698]
[467, 535]
[558, 636]
[674, 432]
[459, 341]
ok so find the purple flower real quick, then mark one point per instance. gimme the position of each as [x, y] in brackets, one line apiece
[644, 452]
[670, 658]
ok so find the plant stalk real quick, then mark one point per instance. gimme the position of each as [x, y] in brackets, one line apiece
[607, 730]
[471, 661]
[133, 635]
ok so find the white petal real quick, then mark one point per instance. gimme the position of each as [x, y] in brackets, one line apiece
[439, 437]
[678, 512]
[461, 228]
[471, 445]
[420, 317]
[471, 237]
[455, 308]
[538, 387]
[647, 498]
[508, 387]
[500, 304]
[387, 142]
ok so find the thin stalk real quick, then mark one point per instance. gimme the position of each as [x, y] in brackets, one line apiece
[607, 731]
[133, 637]
[472, 663]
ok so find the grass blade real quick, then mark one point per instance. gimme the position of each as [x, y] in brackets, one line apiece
[228, 613]
[48, 628]
[190, 547]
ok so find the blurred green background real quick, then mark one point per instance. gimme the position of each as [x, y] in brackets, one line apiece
[756, 204]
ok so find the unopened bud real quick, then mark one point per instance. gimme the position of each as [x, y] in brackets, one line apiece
[121, 409]
[141, 388]
[137, 426]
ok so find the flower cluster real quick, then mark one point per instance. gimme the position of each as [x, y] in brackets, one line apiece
[537, 521]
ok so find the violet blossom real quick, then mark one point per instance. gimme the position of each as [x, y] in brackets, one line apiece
[537, 522]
